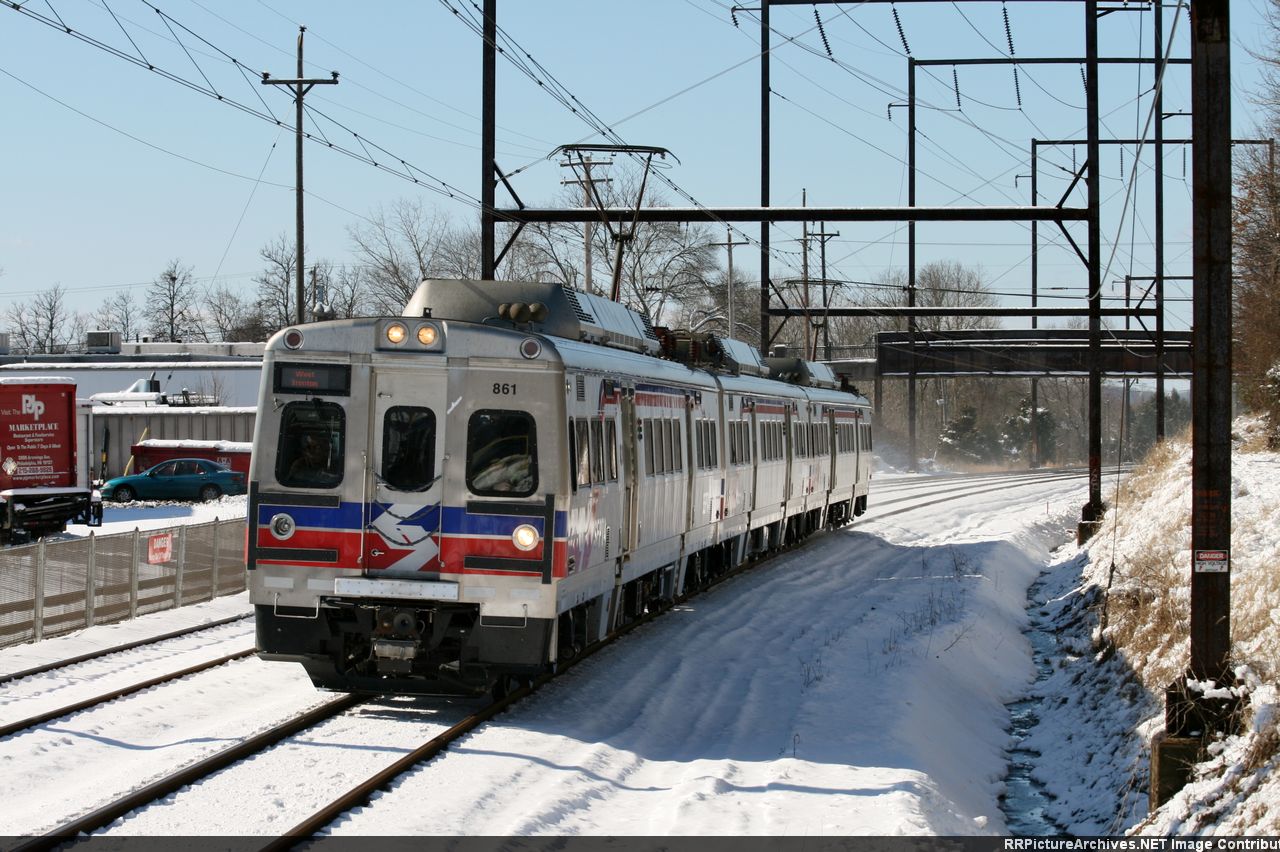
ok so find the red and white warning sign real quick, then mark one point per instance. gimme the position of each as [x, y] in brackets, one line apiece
[159, 548]
[1212, 562]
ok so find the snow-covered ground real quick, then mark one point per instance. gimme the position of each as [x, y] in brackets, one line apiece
[152, 515]
[856, 686]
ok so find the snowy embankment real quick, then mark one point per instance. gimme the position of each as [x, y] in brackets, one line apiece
[857, 686]
[854, 686]
[1120, 608]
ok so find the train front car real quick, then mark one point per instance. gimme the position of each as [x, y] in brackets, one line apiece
[404, 534]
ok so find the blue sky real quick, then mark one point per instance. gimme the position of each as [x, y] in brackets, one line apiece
[112, 170]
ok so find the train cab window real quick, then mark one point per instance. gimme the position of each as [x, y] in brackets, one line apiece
[311, 448]
[408, 448]
[502, 453]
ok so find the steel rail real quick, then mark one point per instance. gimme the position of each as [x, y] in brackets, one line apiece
[40, 719]
[175, 781]
[116, 649]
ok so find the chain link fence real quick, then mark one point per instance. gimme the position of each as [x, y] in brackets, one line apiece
[51, 588]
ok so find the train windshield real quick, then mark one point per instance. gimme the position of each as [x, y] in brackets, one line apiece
[502, 453]
[408, 448]
[311, 448]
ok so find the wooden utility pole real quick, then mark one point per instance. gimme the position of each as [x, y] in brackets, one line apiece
[804, 246]
[728, 245]
[299, 87]
[823, 236]
[587, 182]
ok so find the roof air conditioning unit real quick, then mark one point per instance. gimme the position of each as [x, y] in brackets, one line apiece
[102, 342]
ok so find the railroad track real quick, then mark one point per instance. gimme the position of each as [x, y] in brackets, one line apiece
[362, 792]
[84, 704]
[192, 774]
[116, 649]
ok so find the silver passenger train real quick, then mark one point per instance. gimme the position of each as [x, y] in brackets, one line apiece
[453, 499]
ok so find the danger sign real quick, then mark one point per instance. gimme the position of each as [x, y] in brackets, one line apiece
[1212, 562]
[159, 548]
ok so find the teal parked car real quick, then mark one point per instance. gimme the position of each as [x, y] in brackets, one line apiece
[176, 479]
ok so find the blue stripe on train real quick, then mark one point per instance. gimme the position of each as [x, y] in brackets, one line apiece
[457, 520]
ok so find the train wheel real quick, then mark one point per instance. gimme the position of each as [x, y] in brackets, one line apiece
[507, 684]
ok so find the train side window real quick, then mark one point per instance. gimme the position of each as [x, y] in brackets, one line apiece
[573, 455]
[649, 438]
[611, 449]
[408, 448]
[597, 451]
[502, 453]
[660, 437]
[311, 448]
[679, 448]
[583, 465]
[669, 444]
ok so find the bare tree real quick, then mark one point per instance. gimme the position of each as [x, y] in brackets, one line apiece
[171, 310]
[42, 325]
[232, 317]
[276, 284]
[398, 249]
[1256, 237]
[121, 313]
[337, 292]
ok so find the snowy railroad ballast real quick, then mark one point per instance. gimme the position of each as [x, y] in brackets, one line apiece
[469, 493]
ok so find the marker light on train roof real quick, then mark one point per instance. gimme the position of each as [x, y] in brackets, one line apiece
[293, 338]
[530, 347]
[396, 333]
[427, 334]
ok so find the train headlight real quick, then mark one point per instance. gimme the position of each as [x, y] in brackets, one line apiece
[396, 333]
[427, 335]
[525, 537]
[282, 526]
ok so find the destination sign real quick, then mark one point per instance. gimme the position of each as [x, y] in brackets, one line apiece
[313, 379]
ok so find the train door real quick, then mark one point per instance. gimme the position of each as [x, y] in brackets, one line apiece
[832, 447]
[403, 473]
[755, 441]
[630, 476]
[788, 444]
